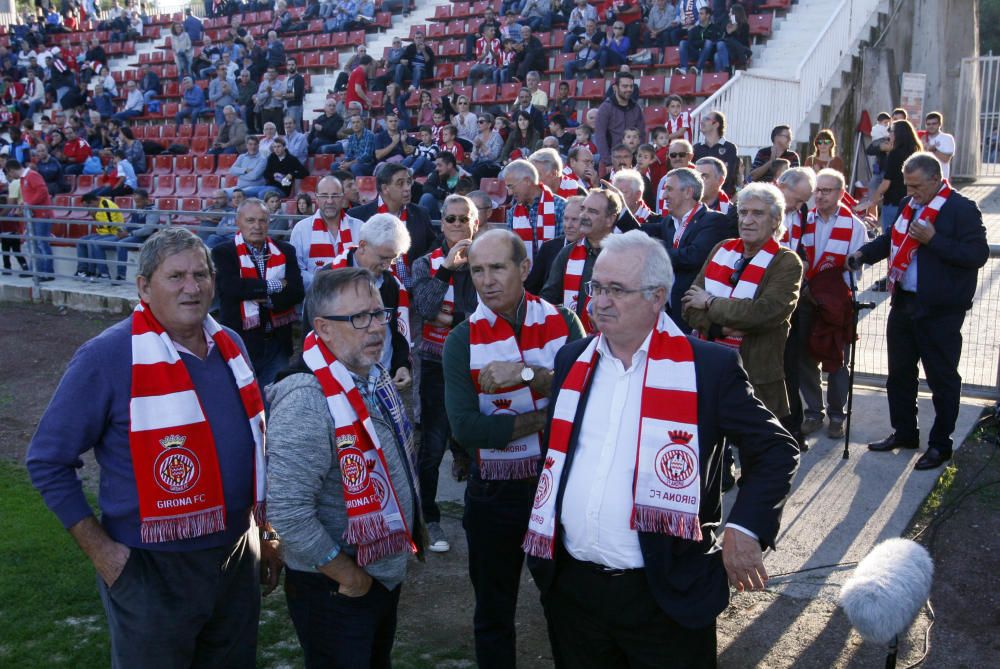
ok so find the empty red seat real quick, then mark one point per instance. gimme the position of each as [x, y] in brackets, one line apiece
[204, 164]
[209, 183]
[651, 86]
[163, 185]
[184, 164]
[187, 185]
[761, 24]
[682, 85]
[712, 81]
[671, 57]
[322, 162]
[593, 89]
[654, 116]
[163, 164]
[484, 94]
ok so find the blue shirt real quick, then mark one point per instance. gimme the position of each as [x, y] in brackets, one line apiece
[360, 148]
[194, 97]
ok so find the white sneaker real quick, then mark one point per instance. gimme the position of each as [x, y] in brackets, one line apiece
[438, 540]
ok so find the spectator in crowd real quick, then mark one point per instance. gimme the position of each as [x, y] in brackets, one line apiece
[714, 143]
[270, 97]
[343, 584]
[750, 311]
[222, 92]
[323, 135]
[205, 604]
[391, 144]
[304, 205]
[549, 166]
[536, 212]
[576, 24]
[661, 19]
[421, 160]
[270, 134]
[490, 358]
[689, 231]
[487, 56]
[326, 234]
[193, 26]
[616, 48]
[121, 178]
[295, 92]
[441, 183]
[824, 153]
[274, 52]
[180, 43]
[581, 164]
[734, 47]
[713, 175]
[215, 211]
[50, 169]
[935, 249]
[700, 42]
[542, 265]
[296, 141]
[529, 54]
[352, 195]
[149, 83]
[134, 105]
[465, 122]
[357, 83]
[762, 168]
[208, 57]
[417, 61]
[249, 169]
[358, 149]
[140, 225]
[192, 102]
[282, 168]
[101, 102]
[259, 287]
[630, 184]
[670, 618]
[443, 295]
[277, 222]
[830, 234]
[232, 137]
[246, 89]
[90, 250]
[627, 12]
[537, 14]
[941, 144]
[35, 194]
[617, 114]
[588, 55]
[75, 150]
[522, 139]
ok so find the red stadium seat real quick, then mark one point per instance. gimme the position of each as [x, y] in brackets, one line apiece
[209, 183]
[671, 57]
[711, 82]
[183, 164]
[163, 185]
[761, 24]
[324, 41]
[593, 89]
[186, 131]
[508, 92]
[322, 162]
[484, 94]
[84, 184]
[654, 116]
[462, 70]
[187, 185]
[166, 203]
[308, 184]
[163, 164]
[223, 162]
[651, 86]
[199, 145]
[204, 164]
[682, 85]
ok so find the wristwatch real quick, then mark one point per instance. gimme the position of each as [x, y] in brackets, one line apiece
[268, 535]
[527, 375]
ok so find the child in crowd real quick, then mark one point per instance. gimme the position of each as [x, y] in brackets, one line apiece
[422, 160]
[448, 142]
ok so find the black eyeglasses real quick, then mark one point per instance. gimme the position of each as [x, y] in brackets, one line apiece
[451, 218]
[614, 292]
[734, 278]
[363, 320]
[679, 155]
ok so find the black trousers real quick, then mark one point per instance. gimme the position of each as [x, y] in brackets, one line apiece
[339, 632]
[936, 341]
[793, 423]
[495, 521]
[186, 609]
[12, 245]
[434, 434]
[600, 620]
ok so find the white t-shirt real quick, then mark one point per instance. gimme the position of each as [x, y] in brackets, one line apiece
[944, 143]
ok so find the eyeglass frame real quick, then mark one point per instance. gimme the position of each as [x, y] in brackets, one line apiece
[593, 290]
[386, 315]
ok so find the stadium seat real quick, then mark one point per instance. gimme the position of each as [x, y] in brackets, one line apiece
[84, 184]
[187, 185]
[204, 164]
[189, 204]
[462, 70]
[671, 57]
[185, 132]
[593, 89]
[166, 204]
[209, 183]
[321, 163]
[508, 92]
[308, 184]
[183, 164]
[163, 164]
[654, 116]
[223, 162]
[711, 82]
[484, 94]
[366, 188]
[651, 86]
[199, 145]
[163, 186]
[682, 85]
[761, 24]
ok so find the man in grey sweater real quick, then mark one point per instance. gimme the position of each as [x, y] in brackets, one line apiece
[249, 170]
[343, 609]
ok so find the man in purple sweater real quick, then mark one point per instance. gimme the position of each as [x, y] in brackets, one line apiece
[177, 556]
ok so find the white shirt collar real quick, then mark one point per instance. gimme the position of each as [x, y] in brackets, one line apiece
[605, 351]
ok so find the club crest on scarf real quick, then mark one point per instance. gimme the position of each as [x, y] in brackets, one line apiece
[177, 468]
[677, 463]
[545, 484]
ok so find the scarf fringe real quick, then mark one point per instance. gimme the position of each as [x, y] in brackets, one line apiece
[432, 347]
[189, 526]
[509, 470]
[366, 529]
[251, 322]
[664, 521]
[373, 551]
[538, 545]
[283, 318]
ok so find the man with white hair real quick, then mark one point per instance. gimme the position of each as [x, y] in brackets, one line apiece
[797, 185]
[570, 272]
[620, 540]
[232, 137]
[320, 238]
[537, 212]
[632, 185]
[549, 165]
[382, 239]
[830, 234]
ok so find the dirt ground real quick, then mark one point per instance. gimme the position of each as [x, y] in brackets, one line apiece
[758, 630]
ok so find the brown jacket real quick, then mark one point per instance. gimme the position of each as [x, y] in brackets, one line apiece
[765, 322]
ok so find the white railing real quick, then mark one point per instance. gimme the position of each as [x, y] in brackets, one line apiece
[761, 102]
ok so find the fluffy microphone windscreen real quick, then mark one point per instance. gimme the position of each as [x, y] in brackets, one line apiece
[887, 590]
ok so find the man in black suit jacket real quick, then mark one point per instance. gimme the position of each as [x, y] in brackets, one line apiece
[689, 233]
[394, 185]
[614, 596]
[269, 339]
[929, 301]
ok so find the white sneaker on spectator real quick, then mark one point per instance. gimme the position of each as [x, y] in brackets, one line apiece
[438, 540]
[682, 70]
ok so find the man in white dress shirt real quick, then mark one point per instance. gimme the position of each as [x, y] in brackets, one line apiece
[622, 537]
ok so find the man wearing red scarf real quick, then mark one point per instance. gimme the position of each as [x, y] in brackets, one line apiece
[935, 249]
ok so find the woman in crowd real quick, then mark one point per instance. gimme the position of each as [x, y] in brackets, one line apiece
[425, 112]
[825, 153]
[486, 148]
[282, 168]
[465, 121]
[903, 142]
[270, 133]
[304, 205]
[746, 292]
[733, 50]
[522, 139]
[180, 43]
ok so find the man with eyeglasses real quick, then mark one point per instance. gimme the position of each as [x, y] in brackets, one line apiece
[498, 369]
[571, 270]
[830, 234]
[259, 288]
[688, 231]
[443, 295]
[342, 487]
[621, 534]
[320, 238]
[381, 240]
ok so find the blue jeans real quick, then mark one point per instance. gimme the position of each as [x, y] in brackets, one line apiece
[267, 362]
[183, 61]
[721, 57]
[40, 247]
[188, 112]
[539, 23]
[339, 631]
[890, 212]
[126, 115]
[608, 57]
[431, 204]
[706, 52]
[481, 71]
[414, 70]
[576, 68]
[420, 165]
[215, 239]
[92, 248]
[123, 249]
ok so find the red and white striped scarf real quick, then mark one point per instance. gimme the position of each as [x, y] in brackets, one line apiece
[723, 204]
[492, 339]
[174, 459]
[902, 246]
[569, 185]
[641, 214]
[682, 122]
[434, 335]
[573, 280]
[793, 230]
[400, 264]
[322, 246]
[837, 247]
[545, 222]
[250, 309]
[720, 270]
[666, 488]
[375, 521]
[402, 308]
